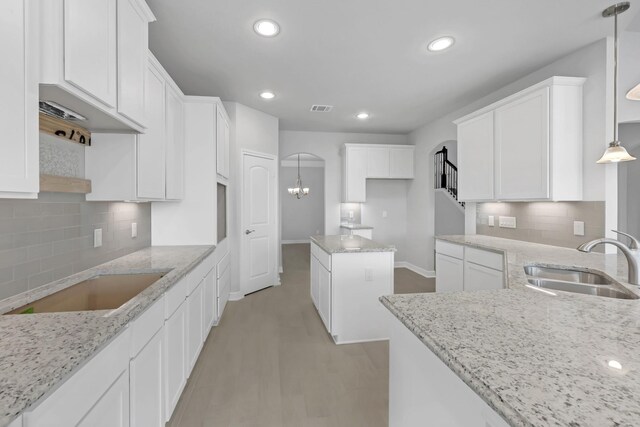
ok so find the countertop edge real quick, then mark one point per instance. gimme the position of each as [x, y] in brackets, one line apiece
[482, 390]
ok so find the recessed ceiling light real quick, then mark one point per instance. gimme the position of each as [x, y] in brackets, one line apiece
[267, 94]
[363, 116]
[266, 27]
[441, 43]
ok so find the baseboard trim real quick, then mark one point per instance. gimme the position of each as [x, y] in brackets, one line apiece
[421, 271]
[294, 242]
[236, 296]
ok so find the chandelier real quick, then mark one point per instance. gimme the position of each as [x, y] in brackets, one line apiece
[298, 191]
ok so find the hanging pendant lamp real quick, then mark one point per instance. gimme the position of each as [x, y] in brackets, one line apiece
[615, 152]
[298, 191]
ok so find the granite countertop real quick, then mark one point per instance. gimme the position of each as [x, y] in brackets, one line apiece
[350, 226]
[39, 351]
[535, 358]
[350, 244]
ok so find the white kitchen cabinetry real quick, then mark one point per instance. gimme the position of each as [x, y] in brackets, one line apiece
[525, 147]
[210, 305]
[152, 144]
[222, 143]
[19, 164]
[466, 268]
[93, 58]
[97, 395]
[175, 144]
[422, 387]
[345, 288]
[363, 232]
[195, 324]
[374, 161]
[175, 358]
[223, 279]
[475, 158]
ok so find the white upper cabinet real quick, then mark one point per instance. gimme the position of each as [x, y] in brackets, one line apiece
[475, 158]
[525, 147]
[133, 43]
[222, 143]
[363, 161]
[90, 47]
[152, 144]
[19, 173]
[175, 144]
[93, 59]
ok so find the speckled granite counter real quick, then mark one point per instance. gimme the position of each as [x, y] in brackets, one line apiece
[349, 244]
[38, 352]
[356, 227]
[537, 359]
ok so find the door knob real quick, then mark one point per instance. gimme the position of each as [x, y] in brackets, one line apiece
[248, 231]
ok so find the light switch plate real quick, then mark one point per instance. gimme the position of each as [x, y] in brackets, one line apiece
[134, 230]
[492, 221]
[97, 237]
[578, 228]
[507, 221]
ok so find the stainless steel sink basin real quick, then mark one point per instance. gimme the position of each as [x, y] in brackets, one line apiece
[105, 292]
[576, 281]
[576, 276]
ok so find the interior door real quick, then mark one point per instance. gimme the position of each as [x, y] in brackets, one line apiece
[258, 240]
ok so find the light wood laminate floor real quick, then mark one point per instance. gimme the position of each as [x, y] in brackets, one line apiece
[270, 362]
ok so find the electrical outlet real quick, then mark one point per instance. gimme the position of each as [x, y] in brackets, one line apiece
[492, 221]
[134, 230]
[368, 274]
[385, 214]
[351, 215]
[507, 221]
[578, 228]
[97, 237]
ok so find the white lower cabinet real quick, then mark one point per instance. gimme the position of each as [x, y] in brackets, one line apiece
[112, 410]
[194, 325]
[145, 371]
[175, 354]
[324, 294]
[315, 280]
[463, 268]
[210, 302]
[223, 283]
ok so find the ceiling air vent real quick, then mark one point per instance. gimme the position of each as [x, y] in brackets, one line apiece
[321, 108]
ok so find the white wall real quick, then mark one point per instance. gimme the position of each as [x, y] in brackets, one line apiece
[390, 196]
[328, 146]
[250, 130]
[629, 182]
[301, 218]
[589, 62]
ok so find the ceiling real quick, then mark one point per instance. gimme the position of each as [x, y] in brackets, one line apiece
[366, 55]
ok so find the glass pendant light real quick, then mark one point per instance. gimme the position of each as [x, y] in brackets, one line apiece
[298, 191]
[615, 152]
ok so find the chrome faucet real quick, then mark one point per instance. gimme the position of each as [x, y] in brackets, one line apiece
[632, 252]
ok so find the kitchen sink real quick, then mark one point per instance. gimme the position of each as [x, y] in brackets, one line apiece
[576, 281]
[102, 292]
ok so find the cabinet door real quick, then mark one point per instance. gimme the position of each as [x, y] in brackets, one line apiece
[449, 273]
[475, 158]
[112, 410]
[324, 285]
[478, 278]
[401, 162]
[175, 366]
[19, 107]
[210, 303]
[146, 385]
[222, 144]
[355, 174]
[378, 162]
[151, 145]
[90, 47]
[175, 146]
[224, 289]
[522, 148]
[315, 282]
[194, 326]
[133, 44]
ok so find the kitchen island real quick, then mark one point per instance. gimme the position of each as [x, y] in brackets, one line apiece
[348, 275]
[516, 356]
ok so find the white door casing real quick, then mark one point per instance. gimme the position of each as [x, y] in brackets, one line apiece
[258, 241]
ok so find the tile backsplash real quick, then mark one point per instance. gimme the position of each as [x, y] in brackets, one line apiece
[544, 222]
[52, 237]
[356, 208]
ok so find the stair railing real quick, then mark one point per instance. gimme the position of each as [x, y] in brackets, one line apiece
[446, 174]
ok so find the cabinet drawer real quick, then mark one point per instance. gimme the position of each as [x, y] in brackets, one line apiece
[69, 404]
[223, 265]
[485, 258]
[324, 258]
[175, 296]
[199, 272]
[146, 326]
[450, 249]
[314, 250]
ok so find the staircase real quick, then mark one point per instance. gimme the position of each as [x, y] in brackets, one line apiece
[446, 174]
